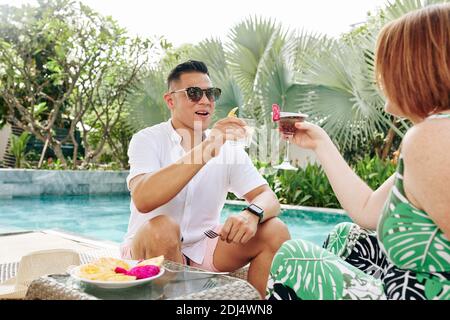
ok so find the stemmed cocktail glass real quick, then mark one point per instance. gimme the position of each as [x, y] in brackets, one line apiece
[286, 123]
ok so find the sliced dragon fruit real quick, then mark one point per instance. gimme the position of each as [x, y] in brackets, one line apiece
[120, 270]
[143, 272]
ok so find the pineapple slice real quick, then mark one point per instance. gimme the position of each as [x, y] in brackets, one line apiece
[232, 112]
[156, 261]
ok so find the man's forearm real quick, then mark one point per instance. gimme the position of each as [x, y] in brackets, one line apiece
[269, 203]
[156, 189]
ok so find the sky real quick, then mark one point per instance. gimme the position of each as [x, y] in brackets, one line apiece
[191, 21]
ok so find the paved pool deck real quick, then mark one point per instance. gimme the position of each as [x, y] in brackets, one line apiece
[13, 246]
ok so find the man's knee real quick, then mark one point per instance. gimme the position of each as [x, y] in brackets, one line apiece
[275, 233]
[161, 233]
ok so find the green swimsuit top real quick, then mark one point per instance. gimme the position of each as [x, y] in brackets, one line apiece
[410, 239]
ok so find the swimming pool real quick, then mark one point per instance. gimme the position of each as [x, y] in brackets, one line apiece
[106, 217]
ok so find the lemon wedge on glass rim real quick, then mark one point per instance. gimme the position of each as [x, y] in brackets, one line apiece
[232, 112]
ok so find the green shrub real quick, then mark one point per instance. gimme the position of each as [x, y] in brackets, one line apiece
[18, 147]
[374, 171]
[306, 187]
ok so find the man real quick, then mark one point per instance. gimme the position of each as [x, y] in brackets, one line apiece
[180, 174]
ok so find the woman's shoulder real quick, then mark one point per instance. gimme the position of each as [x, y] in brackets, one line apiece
[431, 135]
[426, 158]
[426, 149]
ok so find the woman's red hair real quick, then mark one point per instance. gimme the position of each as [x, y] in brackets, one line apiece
[413, 60]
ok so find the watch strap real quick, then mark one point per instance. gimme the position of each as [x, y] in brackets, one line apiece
[258, 214]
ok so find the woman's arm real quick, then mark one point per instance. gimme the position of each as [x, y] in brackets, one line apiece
[361, 203]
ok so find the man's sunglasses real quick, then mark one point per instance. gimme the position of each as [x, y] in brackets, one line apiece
[195, 94]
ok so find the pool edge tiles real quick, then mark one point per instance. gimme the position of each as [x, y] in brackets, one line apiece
[29, 182]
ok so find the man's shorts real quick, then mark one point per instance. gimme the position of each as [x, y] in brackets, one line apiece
[208, 260]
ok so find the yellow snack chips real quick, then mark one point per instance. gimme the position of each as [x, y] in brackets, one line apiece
[111, 263]
[89, 269]
[232, 112]
[103, 269]
[93, 272]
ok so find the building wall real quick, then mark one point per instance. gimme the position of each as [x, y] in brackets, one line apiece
[18, 182]
[5, 132]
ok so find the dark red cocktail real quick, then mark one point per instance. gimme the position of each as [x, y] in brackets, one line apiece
[287, 121]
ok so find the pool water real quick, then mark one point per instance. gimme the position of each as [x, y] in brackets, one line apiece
[106, 217]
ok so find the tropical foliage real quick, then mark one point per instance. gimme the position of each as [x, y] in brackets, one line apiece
[332, 80]
[18, 147]
[62, 65]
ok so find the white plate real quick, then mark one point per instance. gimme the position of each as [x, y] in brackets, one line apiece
[115, 284]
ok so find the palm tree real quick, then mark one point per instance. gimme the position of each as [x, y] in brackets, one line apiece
[252, 52]
[261, 64]
[344, 99]
[398, 8]
[212, 52]
[146, 106]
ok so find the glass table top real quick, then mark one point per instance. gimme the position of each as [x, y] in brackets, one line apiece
[177, 281]
[168, 286]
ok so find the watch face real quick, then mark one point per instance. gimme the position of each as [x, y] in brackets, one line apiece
[256, 209]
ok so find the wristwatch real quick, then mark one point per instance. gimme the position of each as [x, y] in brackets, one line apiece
[253, 208]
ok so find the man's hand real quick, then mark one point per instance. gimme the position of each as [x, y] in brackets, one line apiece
[239, 228]
[230, 128]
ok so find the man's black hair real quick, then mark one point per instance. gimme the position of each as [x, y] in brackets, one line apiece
[185, 67]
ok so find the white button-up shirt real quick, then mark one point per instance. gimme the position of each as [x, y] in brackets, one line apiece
[196, 208]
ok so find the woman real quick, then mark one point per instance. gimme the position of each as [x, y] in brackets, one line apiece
[408, 256]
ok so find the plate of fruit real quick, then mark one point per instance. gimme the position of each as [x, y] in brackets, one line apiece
[112, 273]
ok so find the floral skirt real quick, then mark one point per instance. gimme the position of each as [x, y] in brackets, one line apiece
[351, 265]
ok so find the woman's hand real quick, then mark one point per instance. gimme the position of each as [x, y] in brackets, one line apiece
[309, 136]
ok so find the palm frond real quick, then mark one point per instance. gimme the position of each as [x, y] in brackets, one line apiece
[397, 8]
[146, 106]
[307, 46]
[231, 96]
[345, 100]
[251, 45]
[279, 86]
[211, 52]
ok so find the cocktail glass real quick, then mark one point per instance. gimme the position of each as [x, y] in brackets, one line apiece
[249, 131]
[287, 127]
